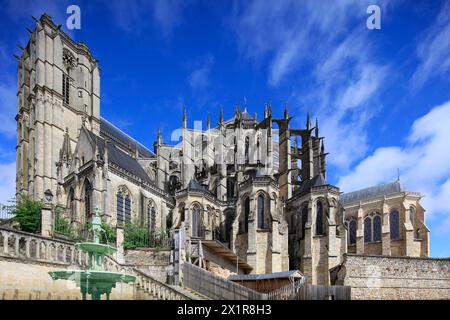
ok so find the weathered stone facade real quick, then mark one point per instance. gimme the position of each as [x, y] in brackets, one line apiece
[247, 182]
[395, 278]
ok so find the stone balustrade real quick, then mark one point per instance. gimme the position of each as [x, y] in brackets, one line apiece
[28, 246]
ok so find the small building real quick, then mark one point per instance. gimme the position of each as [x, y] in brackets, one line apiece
[267, 282]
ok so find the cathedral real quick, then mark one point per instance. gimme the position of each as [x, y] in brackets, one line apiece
[257, 185]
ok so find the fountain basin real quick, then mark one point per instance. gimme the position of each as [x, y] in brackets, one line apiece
[97, 248]
[93, 282]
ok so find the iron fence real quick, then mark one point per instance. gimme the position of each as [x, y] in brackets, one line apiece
[215, 287]
[141, 237]
[7, 210]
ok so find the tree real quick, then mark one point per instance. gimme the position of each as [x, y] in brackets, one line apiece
[28, 214]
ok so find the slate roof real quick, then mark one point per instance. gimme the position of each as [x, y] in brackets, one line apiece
[274, 275]
[371, 192]
[120, 158]
[123, 139]
[317, 181]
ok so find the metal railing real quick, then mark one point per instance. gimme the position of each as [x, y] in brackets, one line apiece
[7, 210]
[141, 237]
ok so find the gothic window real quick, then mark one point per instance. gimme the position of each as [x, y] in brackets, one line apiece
[376, 221]
[367, 229]
[246, 214]
[304, 220]
[65, 88]
[87, 199]
[247, 146]
[119, 208]
[71, 205]
[412, 216]
[196, 222]
[230, 188]
[352, 226]
[394, 221]
[258, 150]
[261, 200]
[151, 216]
[319, 218]
[127, 209]
[182, 217]
[123, 206]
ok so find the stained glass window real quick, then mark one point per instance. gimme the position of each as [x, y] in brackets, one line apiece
[196, 222]
[246, 213]
[319, 218]
[127, 209]
[367, 229]
[376, 220]
[352, 231]
[394, 222]
[261, 211]
[119, 208]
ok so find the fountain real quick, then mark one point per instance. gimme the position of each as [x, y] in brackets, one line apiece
[94, 281]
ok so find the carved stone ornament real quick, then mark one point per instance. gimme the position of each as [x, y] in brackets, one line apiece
[69, 59]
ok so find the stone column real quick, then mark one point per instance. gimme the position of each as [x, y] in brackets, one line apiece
[46, 220]
[119, 242]
[360, 233]
[307, 259]
[386, 232]
[251, 237]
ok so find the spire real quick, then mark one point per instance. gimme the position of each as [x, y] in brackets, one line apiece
[208, 122]
[269, 110]
[322, 148]
[308, 122]
[184, 118]
[286, 111]
[265, 110]
[317, 128]
[159, 137]
[221, 115]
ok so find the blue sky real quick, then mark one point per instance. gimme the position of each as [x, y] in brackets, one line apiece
[382, 96]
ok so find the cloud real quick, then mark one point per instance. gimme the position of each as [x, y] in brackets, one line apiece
[199, 77]
[433, 49]
[424, 164]
[342, 76]
[7, 181]
[135, 16]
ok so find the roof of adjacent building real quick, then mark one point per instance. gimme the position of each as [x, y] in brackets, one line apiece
[123, 139]
[265, 276]
[371, 192]
[120, 158]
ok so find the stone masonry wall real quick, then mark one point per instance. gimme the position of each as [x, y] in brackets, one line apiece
[395, 278]
[156, 262]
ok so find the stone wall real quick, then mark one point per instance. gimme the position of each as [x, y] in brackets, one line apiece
[31, 281]
[395, 278]
[156, 262]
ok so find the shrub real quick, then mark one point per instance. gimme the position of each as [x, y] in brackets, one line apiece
[28, 214]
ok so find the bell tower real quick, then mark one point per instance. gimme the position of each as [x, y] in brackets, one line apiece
[58, 92]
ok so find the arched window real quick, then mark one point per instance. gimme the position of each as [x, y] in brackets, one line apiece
[319, 218]
[123, 206]
[119, 208]
[367, 229]
[71, 204]
[246, 213]
[196, 222]
[127, 209]
[376, 221]
[87, 199]
[352, 226]
[394, 221]
[304, 220]
[261, 224]
[151, 216]
[247, 146]
[412, 214]
[258, 150]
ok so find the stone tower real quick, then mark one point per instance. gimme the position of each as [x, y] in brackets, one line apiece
[58, 93]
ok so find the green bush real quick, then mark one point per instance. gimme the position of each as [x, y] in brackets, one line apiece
[135, 236]
[28, 214]
[109, 236]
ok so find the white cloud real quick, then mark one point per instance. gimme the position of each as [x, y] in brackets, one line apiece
[199, 77]
[433, 49]
[424, 163]
[7, 181]
[134, 16]
[344, 83]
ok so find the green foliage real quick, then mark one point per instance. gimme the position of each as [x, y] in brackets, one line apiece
[109, 236]
[28, 214]
[137, 236]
